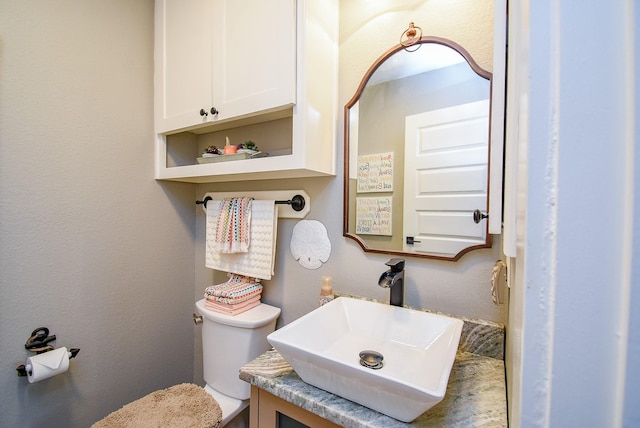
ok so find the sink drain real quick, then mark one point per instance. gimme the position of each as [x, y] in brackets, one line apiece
[371, 359]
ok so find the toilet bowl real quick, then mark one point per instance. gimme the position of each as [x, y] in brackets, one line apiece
[234, 412]
[228, 343]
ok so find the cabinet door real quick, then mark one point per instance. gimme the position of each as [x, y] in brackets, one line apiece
[268, 411]
[253, 56]
[182, 62]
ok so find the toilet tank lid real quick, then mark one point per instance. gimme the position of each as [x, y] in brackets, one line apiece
[253, 318]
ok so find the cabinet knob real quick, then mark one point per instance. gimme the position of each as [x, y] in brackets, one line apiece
[214, 111]
[203, 112]
[478, 216]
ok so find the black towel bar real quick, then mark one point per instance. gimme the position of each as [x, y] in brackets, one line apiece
[297, 202]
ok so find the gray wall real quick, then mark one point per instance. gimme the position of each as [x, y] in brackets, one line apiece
[91, 245]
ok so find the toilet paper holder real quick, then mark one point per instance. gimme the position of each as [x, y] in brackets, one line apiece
[38, 343]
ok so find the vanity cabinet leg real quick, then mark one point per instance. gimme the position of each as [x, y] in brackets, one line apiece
[265, 407]
[254, 407]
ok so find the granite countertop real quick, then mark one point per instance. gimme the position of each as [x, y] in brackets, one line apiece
[476, 394]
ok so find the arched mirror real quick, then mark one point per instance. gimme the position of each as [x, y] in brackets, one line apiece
[417, 153]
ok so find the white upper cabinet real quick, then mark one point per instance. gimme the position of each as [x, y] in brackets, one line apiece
[257, 70]
[222, 59]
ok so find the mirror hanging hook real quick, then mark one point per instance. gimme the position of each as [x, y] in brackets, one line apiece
[410, 37]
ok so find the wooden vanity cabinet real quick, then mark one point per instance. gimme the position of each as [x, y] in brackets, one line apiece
[266, 411]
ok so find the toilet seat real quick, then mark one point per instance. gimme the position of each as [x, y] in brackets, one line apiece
[230, 406]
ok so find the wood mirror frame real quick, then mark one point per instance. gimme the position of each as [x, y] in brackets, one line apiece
[347, 157]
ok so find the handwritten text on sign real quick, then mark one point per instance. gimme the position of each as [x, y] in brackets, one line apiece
[373, 216]
[375, 173]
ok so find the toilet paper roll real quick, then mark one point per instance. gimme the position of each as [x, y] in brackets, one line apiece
[44, 366]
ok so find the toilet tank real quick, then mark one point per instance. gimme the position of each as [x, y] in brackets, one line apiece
[230, 342]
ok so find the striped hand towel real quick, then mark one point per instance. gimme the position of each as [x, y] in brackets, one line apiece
[234, 220]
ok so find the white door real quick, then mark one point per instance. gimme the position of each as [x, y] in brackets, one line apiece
[446, 178]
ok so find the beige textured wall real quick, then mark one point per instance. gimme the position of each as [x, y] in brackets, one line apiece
[368, 29]
[90, 244]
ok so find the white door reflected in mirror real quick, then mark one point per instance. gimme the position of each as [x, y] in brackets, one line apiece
[445, 178]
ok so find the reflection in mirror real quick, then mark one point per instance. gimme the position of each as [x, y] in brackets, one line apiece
[416, 153]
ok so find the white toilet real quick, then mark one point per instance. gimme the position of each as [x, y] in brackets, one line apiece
[228, 343]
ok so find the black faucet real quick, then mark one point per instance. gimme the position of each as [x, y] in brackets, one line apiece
[394, 279]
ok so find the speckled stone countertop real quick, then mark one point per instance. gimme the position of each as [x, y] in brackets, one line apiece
[476, 394]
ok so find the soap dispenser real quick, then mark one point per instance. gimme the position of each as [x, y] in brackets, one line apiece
[326, 292]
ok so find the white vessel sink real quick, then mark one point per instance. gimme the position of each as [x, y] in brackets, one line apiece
[419, 349]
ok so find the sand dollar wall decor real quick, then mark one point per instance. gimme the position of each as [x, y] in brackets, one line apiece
[310, 244]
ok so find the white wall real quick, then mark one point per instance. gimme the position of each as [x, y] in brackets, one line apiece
[573, 329]
[91, 245]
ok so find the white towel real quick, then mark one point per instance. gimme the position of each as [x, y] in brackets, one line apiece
[259, 261]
